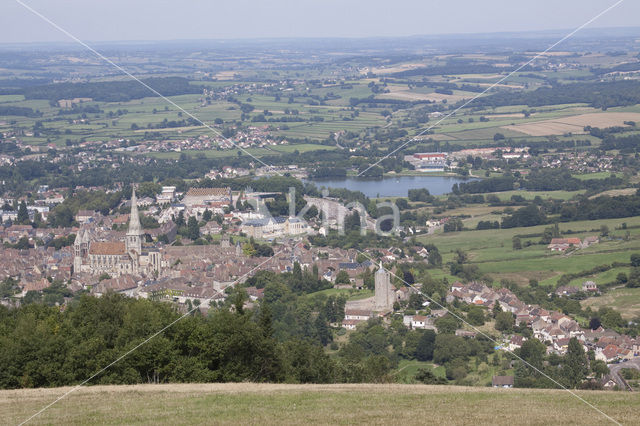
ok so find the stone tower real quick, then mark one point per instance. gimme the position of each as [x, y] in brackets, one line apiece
[134, 234]
[384, 294]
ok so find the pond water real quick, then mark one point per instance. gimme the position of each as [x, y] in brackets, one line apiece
[391, 186]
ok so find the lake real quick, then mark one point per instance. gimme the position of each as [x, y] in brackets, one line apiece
[391, 186]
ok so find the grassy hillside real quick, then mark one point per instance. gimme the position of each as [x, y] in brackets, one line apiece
[244, 403]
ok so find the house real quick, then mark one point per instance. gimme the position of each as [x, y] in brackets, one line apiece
[607, 382]
[403, 293]
[406, 320]
[124, 284]
[589, 286]
[608, 354]
[36, 285]
[566, 290]
[502, 381]
[357, 314]
[350, 324]
[561, 345]
[167, 195]
[423, 253]
[590, 240]
[255, 293]
[295, 226]
[84, 216]
[422, 322]
[457, 286]
[516, 342]
[562, 244]
[264, 228]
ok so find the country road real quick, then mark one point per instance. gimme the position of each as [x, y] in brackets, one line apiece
[615, 372]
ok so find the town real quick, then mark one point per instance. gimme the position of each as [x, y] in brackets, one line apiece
[456, 218]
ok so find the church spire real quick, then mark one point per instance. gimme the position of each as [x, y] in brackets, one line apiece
[134, 218]
[134, 234]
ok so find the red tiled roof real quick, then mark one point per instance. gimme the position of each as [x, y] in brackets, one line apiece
[107, 248]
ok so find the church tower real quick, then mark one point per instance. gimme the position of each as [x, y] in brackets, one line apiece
[80, 250]
[77, 251]
[384, 294]
[134, 234]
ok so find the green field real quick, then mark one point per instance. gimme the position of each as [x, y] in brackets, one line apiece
[247, 403]
[492, 252]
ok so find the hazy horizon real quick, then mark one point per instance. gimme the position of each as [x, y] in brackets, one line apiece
[146, 21]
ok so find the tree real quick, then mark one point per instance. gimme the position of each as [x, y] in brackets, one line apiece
[504, 322]
[622, 278]
[23, 213]
[475, 316]
[449, 347]
[22, 244]
[594, 323]
[575, 363]
[239, 296]
[180, 219]
[635, 260]
[496, 309]
[61, 217]
[426, 344]
[599, 368]
[533, 352]
[516, 243]
[634, 278]
[447, 324]
[428, 378]
[604, 231]
[343, 277]
[193, 230]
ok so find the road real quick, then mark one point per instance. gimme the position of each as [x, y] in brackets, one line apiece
[615, 370]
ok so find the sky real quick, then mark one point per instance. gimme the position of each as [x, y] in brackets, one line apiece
[122, 20]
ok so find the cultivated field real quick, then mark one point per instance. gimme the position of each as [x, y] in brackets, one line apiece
[318, 404]
[575, 123]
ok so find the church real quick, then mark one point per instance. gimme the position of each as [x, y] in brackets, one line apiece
[116, 258]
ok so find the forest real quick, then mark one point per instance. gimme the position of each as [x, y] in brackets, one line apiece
[111, 91]
[597, 94]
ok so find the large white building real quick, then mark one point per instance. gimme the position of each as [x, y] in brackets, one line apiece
[272, 227]
[206, 196]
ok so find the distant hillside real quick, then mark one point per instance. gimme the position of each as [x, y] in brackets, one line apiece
[247, 403]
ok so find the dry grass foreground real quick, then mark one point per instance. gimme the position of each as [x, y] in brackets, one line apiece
[247, 403]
